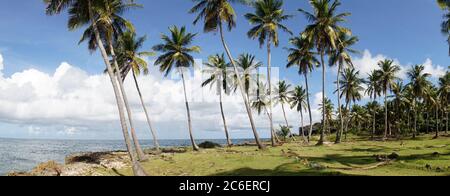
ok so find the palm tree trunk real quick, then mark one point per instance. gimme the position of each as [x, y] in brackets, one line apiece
[309, 109]
[339, 132]
[374, 122]
[224, 120]
[415, 120]
[241, 88]
[385, 116]
[269, 81]
[347, 121]
[137, 168]
[427, 122]
[302, 125]
[287, 122]
[140, 153]
[437, 122]
[324, 119]
[149, 122]
[273, 132]
[191, 135]
[446, 124]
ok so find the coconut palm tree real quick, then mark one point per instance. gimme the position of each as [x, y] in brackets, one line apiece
[341, 57]
[216, 13]
[351, 88]
[283, 97]
[298, 100]
[85, 13]
[444, 95]
[387, 77]
[247, 66]
[301, 55]
[111, 25]
[267, 20]
[176, 52]
[374, 91]
[323, 31]
[131, 59]
[328, 110]
[219, 76]
[420, 86]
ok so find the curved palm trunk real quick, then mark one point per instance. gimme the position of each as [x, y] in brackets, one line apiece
[227, 135]
[274, 134]
[287, 122]
[241, 88]
[269, 80]
[137, 168]
[302, 133]
[149, 122]
[324, 118]
[194, 145]
[339, 133]
[309, 109]
[140, 153]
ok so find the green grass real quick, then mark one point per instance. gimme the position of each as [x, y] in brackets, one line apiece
[354, 157]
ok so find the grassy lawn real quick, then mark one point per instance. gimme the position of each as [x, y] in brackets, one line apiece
[422, 156]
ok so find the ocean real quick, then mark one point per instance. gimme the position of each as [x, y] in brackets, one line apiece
[24, 154]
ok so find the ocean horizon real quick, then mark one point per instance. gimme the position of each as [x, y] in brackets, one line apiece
[20, 155]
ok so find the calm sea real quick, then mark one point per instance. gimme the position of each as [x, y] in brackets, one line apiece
[24, 155]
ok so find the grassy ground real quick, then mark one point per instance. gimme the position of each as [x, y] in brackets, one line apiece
[422, 156]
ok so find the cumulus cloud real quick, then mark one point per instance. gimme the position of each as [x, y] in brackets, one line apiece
[70, 101]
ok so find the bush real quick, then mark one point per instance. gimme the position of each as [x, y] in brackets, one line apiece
[208, 144]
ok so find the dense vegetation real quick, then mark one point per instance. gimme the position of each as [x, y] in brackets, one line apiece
[419, 106]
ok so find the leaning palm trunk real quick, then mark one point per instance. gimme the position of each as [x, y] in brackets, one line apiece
[137, 168]
[140, 153]
[194, 145]
[324, 118]
[339, 132]
[269, 81]
[287, 122]
[273, 133]
[227, 135]
[150, 124]
[302, 133]
[309, 109]
[241, 88]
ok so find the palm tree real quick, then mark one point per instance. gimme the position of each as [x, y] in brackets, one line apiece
[86, 12]
[219, 76]
[328, 110]
[351, 89]
[130, 59]
[267, 20]
[341, 57]
[111, 26]
[387, 77]
[298, 100]
[247, 65]
[324, 32]
[444, 95]
[214, 14]
[302, 56]
[177, 49]
[374, 91]
[419, 85]
[282, 97]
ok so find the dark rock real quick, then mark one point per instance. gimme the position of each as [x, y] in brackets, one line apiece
[208, 144]
[393, 156]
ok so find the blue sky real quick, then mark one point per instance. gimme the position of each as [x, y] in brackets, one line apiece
[406, 30]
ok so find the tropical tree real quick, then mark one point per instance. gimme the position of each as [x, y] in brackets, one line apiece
[323, 31]
[373, 107]
[282, 97]
[327, 108]
[88, 13]
[267, 20]
[298, 100]
[420, 86]
[301, 55]
[216, 13]
[444, 95]
[351, 88]
[131, 59]
[341, 57]
[374, 91]
[260, 102]
[387, 77]
[219, 77]
[176, 52]
[248, 66]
